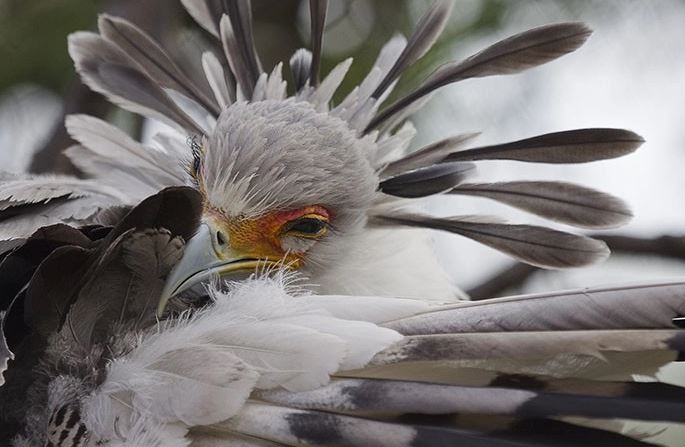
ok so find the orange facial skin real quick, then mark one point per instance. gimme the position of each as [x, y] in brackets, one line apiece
[261, 238]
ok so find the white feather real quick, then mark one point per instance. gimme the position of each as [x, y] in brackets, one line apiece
[200, 369]
[392, 146]
[199, 11]
[134, 183]
[362, 340]
[259, 93]
[85, 198]
[148, 433]
[401, 264]
[323, 94]
[276, 86]
[216, 78]
[174, 375]
[204, 119]
[385, 60]
[43, 188]
[372, 309]
[113, 151]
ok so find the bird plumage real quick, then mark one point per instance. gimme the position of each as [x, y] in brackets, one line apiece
[266, 360]
[104, 342]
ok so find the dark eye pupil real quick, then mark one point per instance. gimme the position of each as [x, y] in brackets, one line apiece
[308, 226]
[220, 238]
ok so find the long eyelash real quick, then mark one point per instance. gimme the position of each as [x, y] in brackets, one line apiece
[196, 150]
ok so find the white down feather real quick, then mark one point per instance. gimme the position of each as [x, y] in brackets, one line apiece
[200, 369]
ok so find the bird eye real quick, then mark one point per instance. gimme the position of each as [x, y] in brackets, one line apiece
[221, 240]
[307, 227]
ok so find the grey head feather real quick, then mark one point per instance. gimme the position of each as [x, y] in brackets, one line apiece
[273, 155]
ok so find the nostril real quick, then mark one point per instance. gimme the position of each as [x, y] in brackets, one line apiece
[221, 240]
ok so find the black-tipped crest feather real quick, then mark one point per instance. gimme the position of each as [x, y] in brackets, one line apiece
[559, 201]
[571, 146]
[427, 181]
[538, 246]
[513, 55]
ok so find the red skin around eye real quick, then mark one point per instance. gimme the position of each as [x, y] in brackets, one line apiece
[286, 216]
[260, 237]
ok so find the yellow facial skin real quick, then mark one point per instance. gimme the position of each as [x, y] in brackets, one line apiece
[227, 245]
[263, 239]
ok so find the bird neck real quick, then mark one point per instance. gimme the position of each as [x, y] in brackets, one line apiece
[388, 262]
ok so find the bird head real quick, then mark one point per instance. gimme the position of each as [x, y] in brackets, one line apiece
[282, 184]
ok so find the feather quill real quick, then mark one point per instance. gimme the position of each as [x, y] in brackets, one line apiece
[517, 345]
[238, 66]
[323, 94]
[240, 13]
[218, 82]
[647, 306]
[200, 11]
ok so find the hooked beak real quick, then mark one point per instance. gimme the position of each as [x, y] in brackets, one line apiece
[202, 259]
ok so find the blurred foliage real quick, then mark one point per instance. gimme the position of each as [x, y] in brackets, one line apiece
[33, 36]
[33, 39]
